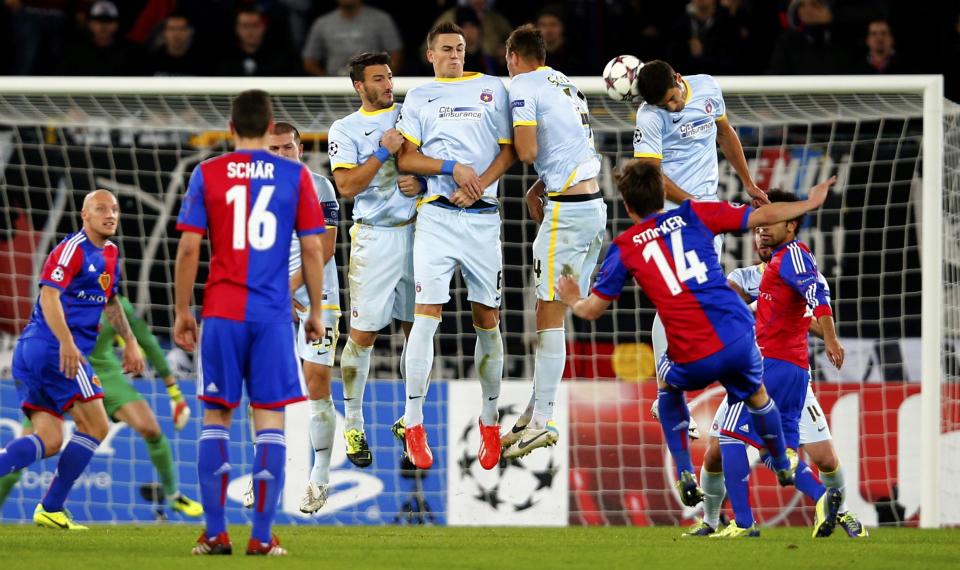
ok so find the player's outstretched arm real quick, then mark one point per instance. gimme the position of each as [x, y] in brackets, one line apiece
[671, 191]
[783, 211]
[733, 151]
[70, 355]
[590, 308]
[311, 254]
[132, 357]
[185, 275]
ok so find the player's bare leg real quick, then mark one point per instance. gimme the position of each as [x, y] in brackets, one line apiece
[268, 476]
[140, 417]
[535, 427]
[419, 361]
[323, 424]
[213, 471]
[488, 358]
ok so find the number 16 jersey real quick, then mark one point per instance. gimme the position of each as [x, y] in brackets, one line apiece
[251, 202]
[672, 258]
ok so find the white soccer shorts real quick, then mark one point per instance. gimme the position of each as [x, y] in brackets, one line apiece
[380, 275]
[320, 351]
[813, 422]
[446, 239]
[568, 243]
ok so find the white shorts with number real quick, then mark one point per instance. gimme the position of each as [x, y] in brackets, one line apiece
[813, 422]
[380, 276]
[319, 351]
[568, 243]
[446, 239]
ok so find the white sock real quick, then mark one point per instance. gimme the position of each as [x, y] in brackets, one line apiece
[488, 357]
[355, 367]
[835, 481]
[713, 492]
[658, 335]
[403, 361]
[323, 423]
[551, 355]
[527, 414]
[419, 361]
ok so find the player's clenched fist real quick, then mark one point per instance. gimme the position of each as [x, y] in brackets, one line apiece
[391, 140]
[313, 326]
[468, 181]
[410, 185]
[185, 331]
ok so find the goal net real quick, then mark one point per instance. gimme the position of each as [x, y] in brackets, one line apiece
[888, 242]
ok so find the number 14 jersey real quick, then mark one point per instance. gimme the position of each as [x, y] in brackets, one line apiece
[672, 257]
[251, 202]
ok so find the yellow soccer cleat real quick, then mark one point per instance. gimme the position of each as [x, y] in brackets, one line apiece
[187, 506]
[828, 507]
[734, 531]
[358, 452]
[60, 520]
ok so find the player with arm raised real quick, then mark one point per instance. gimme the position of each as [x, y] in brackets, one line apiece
[709, 329]
[362, 149]
[458, 135]
[250, 201]
[79, 281]
[551, 126]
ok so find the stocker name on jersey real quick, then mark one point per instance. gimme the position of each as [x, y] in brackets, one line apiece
[258, 170]
[671, 224]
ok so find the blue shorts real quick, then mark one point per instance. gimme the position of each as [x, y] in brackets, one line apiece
[41, 385]
[737, 366]
[260, 356]
[787, 384]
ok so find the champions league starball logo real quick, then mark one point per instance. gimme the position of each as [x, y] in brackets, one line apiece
[333, 148]
[517, 484]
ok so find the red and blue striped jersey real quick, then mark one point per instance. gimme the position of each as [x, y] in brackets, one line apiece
[789, 286]
[672, 258]
[251, 202]
[87, 276]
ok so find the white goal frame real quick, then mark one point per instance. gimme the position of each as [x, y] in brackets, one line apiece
[931, 233]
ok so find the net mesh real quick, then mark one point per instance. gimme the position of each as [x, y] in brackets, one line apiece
[55, 148]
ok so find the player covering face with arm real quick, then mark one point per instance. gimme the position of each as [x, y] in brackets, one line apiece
[670, 254]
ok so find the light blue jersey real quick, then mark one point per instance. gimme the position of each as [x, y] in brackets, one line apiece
[748, 279]
[331, 282]
[352, 141]
[463, 119]
[685, 142]
[548, 100]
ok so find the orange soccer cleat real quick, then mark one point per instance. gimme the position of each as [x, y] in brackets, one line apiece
[272, 548]
[417, 448]
[219, 544]
[489, 454]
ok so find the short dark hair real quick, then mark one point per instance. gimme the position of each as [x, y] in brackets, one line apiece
[654, 79]
[362, 61]
[442, 28]
[527, 42]
[282, 128]
[251, 113]
[641, 186]
[779, 195]
[178, 15]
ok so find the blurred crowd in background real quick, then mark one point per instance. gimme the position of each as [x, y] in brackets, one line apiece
[317, 37]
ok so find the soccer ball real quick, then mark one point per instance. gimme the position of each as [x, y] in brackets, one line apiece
[620, 77]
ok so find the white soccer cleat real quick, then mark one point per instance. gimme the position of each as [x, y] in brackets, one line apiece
[314, 498]
[533, 438]
[514, 434]
[693, 431]
[248, 495]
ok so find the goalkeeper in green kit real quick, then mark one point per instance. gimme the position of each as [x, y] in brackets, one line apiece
[124, 403]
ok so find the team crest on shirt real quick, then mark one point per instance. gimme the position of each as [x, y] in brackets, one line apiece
[486, 95]
[96, 381]
[105, 280]
[708, 106]
[57, 274]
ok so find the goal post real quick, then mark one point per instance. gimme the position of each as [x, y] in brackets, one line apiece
[894, 138]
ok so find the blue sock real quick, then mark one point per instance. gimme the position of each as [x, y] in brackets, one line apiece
[268, 464]
[736, 477]
[213, 471]
[767, 422]
[20, 453]
[73, 460]
[806, 482]
[675, 419]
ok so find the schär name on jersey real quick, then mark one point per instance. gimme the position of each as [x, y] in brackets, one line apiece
[257, 169]
[671, 224]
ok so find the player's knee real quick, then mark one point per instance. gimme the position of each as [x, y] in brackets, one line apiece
[823, 456]
[712, 461]
[317, 377]
[363, 338]
[486, 317]
[759, 398]
[52, 438]
[148, 428]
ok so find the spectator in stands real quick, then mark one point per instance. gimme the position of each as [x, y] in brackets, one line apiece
[176, 56]
[757, 26]
[560, 54]
[881, 55]
[475, 59]
[705, 40]
[496, 28]
[250, 55]
[38, 30]
[100, 51]
[350, 29]
[811, 46]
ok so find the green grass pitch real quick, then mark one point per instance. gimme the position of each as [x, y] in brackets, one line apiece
[417, 548]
